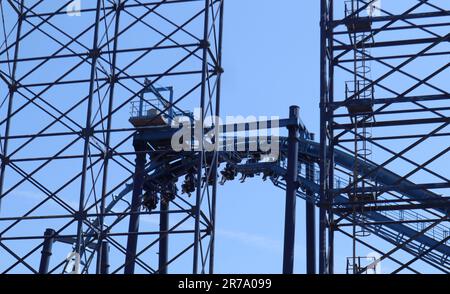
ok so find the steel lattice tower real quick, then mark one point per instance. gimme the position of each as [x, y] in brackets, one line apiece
[89, 93]
[384, 99]
[68, 76]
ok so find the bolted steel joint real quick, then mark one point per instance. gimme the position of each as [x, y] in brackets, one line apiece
[4, 160]
[80, 215]
[22, 16]
[87, 132]
[13, 87]
[107, 155]
[94, 53]
[204, 44]
[119, 6]
[219, 70]
[112, 79]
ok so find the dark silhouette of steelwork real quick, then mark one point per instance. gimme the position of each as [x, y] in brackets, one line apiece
[91, 103]
[69, 63]
[291, 193]
[387, 115]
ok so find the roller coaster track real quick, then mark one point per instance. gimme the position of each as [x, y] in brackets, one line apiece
[428, 245]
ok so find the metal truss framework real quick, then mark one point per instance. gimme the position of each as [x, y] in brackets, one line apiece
[395, 113]
[57, 68]
[81, 73]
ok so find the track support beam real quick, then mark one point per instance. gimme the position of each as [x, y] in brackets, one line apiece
[310, 225]
[133, 229]
[104, 266]
[49, 239]
[291, 192]
[163, 237]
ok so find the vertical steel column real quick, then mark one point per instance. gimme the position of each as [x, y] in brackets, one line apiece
[213, 213]
[323, 138]
[310, 223]
[104, 266]
[133, 229]
[163, 237]
[49, 239]
[108, 153]
[291, 192]
[198, 198]
[12, 90]
[219, 72]
[330, 131]
[87, 132]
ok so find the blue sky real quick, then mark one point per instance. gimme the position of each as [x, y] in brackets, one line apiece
[271, 61]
